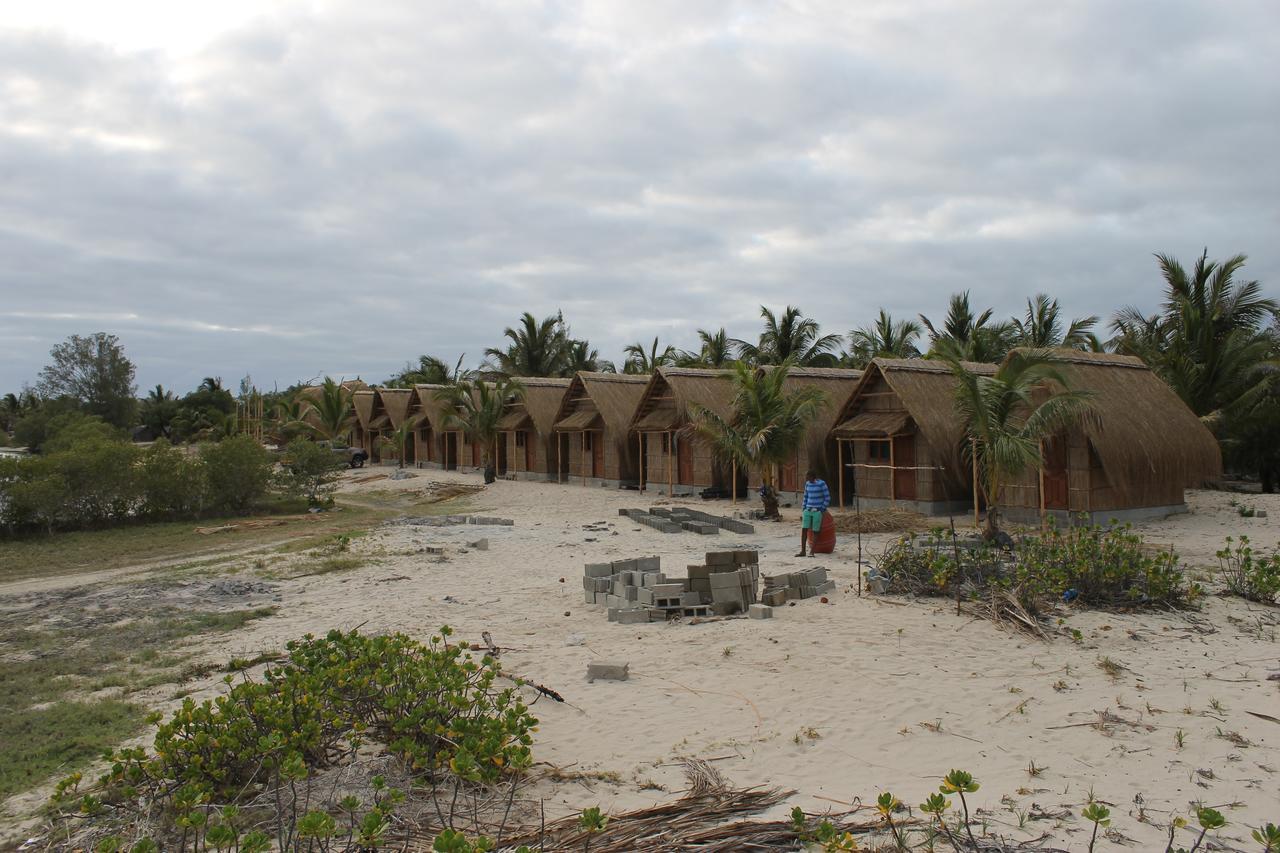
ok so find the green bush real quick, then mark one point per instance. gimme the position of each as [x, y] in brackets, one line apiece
[1095, 566]
[1249, 575]
[171, 483]
[431, 705]
[309, 470]
[237, 474]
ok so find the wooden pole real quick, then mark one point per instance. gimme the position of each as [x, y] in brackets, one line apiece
[973, 453]
[733, 478]
[584, 457]
[840, 469]
[559, 472]
[893, 477]
[640, 456]
[671, 471]
[1041, 467]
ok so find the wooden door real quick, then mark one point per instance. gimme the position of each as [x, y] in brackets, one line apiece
[528, 451]
[597, 454]
[789, 477]
[904, 456]
[1056, 494]
[684, 461]
[451, 451]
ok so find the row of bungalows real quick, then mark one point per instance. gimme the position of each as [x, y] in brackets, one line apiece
[888, 436]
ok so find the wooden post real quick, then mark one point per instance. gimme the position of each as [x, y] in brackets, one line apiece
[1041, 471]
[893, 479]
[584, 457]
[559, 478]
[840, 469]
[733, 478]
[973, 453]
[640, 456]
[671, 471]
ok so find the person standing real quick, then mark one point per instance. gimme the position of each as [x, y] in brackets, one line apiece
[817, 497]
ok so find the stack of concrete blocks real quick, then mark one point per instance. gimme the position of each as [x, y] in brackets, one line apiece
[657, 522]
[636, 591]
[792, 586]
[676, 519]
[728, 580]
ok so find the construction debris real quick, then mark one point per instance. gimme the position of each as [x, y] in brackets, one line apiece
[453, 521]
[791, 586]
[607, 671]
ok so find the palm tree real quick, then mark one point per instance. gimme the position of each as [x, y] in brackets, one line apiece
[965, 336]
[398, 439]
[333, 411]
[158, 410]
[886, 338]
[536, 349]
[580, 356]
[288, 419]
[429, 370]
[1004, 423]
[476, 408]
[642, 361]
[1041, 328]
[1207, 340]
[765, 428]
[794, 338]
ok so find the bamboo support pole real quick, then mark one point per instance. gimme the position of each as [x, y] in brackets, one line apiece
[671, 472]
[559, 472]
[840, 469]
[1041, 473]
[893, 477]
[640, 456]
[584, 457]
[973, 453]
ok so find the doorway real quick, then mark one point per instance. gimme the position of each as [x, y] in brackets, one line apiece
[1056, 484]
[904, 456]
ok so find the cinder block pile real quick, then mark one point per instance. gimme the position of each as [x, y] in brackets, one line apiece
[806, 583]
[636, 591]
[677, 519]
[455, 520]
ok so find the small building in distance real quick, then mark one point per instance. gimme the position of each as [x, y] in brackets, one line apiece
[528, 429]
[899, 440]
[672, 460]
[591, 430]
[1130, 457]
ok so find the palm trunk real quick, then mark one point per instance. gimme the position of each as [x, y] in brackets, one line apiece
[768, 495]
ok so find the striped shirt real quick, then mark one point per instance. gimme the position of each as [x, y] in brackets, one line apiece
[816, 495]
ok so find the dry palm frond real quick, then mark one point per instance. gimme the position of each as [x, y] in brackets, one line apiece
[880, 521]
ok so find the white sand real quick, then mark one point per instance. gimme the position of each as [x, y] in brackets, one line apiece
[834, 701]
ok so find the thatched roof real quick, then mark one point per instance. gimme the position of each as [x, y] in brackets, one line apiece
[537, 405]
[835, 383]
[1140, 429]
[610, 397]
[666, 400]
[364, 401]
[926, 389]
[396, 402]
[434, 410]
[873, 425]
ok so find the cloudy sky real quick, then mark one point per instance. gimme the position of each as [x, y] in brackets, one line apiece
[335, 187]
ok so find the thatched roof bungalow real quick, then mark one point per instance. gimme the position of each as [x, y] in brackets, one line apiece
[819, 451]
[592, 428]
[396, 402]
[1130, 457]
[899, 440]
[312, 394]
[432, 444]
[526, 448]
[672, 460]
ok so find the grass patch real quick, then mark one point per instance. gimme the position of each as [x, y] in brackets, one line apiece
[124, 547]
[88, 652]
[329, 565]
[37, 744]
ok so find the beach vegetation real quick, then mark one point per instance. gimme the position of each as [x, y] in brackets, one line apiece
[1250, 575]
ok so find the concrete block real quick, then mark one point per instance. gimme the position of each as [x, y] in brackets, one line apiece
[698, 610]
[774, 597]
[649, 564]
[589, 584]
[726, 608]
[602, 598]
[666, 590]
[479, 544]
[435, 550]
[721, 558]
[618, 587]
[644, 596]
[668, 603]
[760, 611]
[608, 671]
[824, 588]
[598, 570]
[722, 580]
[746, 558]
[631, 593]
[690, 599]
[670, 527]
[660, 511]
[613, 613]
[590, 596]
[615, 601]
[624, 566]
[698, 571]
[602, 584]
[636, 616]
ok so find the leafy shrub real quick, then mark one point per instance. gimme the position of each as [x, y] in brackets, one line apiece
[309, 470]
[1093, 565]
[430, 705]
[238, 473]
[1248, 575]
[171, 483]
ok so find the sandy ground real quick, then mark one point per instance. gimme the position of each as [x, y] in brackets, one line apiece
[842, 700]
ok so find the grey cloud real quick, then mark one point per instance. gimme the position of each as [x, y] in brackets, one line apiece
[340, 190]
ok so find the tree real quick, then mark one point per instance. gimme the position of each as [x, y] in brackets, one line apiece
[794, 338]
[288, 419]
[1003, 422]
[332, 410]
[536, 349]
[238, 473]
[95, 372]
[966, 336]
[310, 471]
[716, 351]
[1207, 339]
[580, 356]
[400, 438]
[641, 361]
[158, 410]
[765, 427]
[1041, 327]
[886, 338]
[429, 371]
[476, 408]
